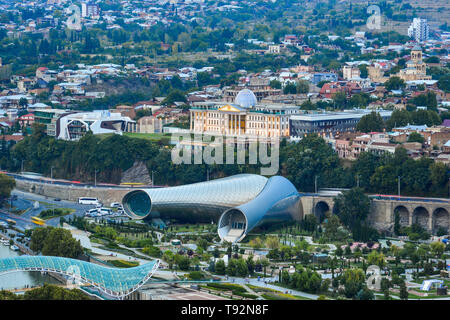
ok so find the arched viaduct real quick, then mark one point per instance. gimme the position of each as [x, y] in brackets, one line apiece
[429, 213]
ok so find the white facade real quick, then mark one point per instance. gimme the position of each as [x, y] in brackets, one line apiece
[74, 126]
[419, 30]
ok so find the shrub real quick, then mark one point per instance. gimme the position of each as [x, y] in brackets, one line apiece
[124, 263]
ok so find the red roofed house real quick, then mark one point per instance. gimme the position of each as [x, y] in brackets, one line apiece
[26, 120]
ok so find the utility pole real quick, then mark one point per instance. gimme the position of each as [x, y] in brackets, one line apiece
[95, 178]
[399, 185]
[315, 183]
[153, 183]
[22, 167]
[51, 174]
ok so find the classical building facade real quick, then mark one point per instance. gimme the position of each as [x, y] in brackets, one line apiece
[242, 118]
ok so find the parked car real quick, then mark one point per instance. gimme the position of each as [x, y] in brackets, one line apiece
[116, 205]
[57, 199]
[105, 211]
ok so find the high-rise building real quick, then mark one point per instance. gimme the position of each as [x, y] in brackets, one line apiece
[419, 30]
[90, 10]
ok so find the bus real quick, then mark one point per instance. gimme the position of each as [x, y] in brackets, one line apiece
[132, 184]
[37, 221]
[86, 200]
[11, 221]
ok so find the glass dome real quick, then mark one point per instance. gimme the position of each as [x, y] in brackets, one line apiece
[246, 99]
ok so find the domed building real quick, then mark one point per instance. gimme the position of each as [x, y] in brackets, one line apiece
[246, 99]
[241, 118]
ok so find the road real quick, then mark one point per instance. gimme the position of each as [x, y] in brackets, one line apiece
[26, 200]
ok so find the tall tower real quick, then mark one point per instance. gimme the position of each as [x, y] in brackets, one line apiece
[416, 54]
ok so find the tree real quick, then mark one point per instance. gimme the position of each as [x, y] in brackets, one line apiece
[370, 122]
[302, 86]
[256, 243]
[52, 241]
[403, 291]
[437, 248]
[169, 257]
[272, 242]
[23, 102]
[376, 258]
[339, 100]
[220, 267]
[416, 137]
[398, 118]
[365, 294]
[275, 84]
[265, 263]
[290, 88]
[183, 262]
[444, 83]
[7, 184]
[353, 280]
[352, 207]
[394, 83]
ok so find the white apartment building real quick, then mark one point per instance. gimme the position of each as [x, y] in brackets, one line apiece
[419, 30]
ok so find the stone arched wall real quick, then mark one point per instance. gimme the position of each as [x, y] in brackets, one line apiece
[421, 216]
[441, 218]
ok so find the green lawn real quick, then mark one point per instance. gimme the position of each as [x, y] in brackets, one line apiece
[54, 213]
[148, 136]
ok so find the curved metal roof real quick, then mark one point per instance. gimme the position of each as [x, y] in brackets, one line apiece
[222, 193]
[278, 201]
[116, 282]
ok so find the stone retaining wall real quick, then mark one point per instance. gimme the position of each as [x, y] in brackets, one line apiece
[72, 193]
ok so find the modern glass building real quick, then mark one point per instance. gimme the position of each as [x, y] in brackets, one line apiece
[239, 203]
[115, 282]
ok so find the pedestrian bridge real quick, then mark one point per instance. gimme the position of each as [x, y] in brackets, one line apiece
[115, 282]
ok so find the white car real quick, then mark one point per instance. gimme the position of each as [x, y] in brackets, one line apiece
[105, 211]
[116, 205]
[92, 213]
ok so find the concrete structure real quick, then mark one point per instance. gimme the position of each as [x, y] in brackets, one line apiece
[72, 192]
[429, 213]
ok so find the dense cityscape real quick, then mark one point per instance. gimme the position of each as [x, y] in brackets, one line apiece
[224, 150]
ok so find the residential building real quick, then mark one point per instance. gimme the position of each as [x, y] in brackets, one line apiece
[419, 30]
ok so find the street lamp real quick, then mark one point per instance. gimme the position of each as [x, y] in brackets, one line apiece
[315, 183]
[399, 178]
[95, 178]
[51, 174]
